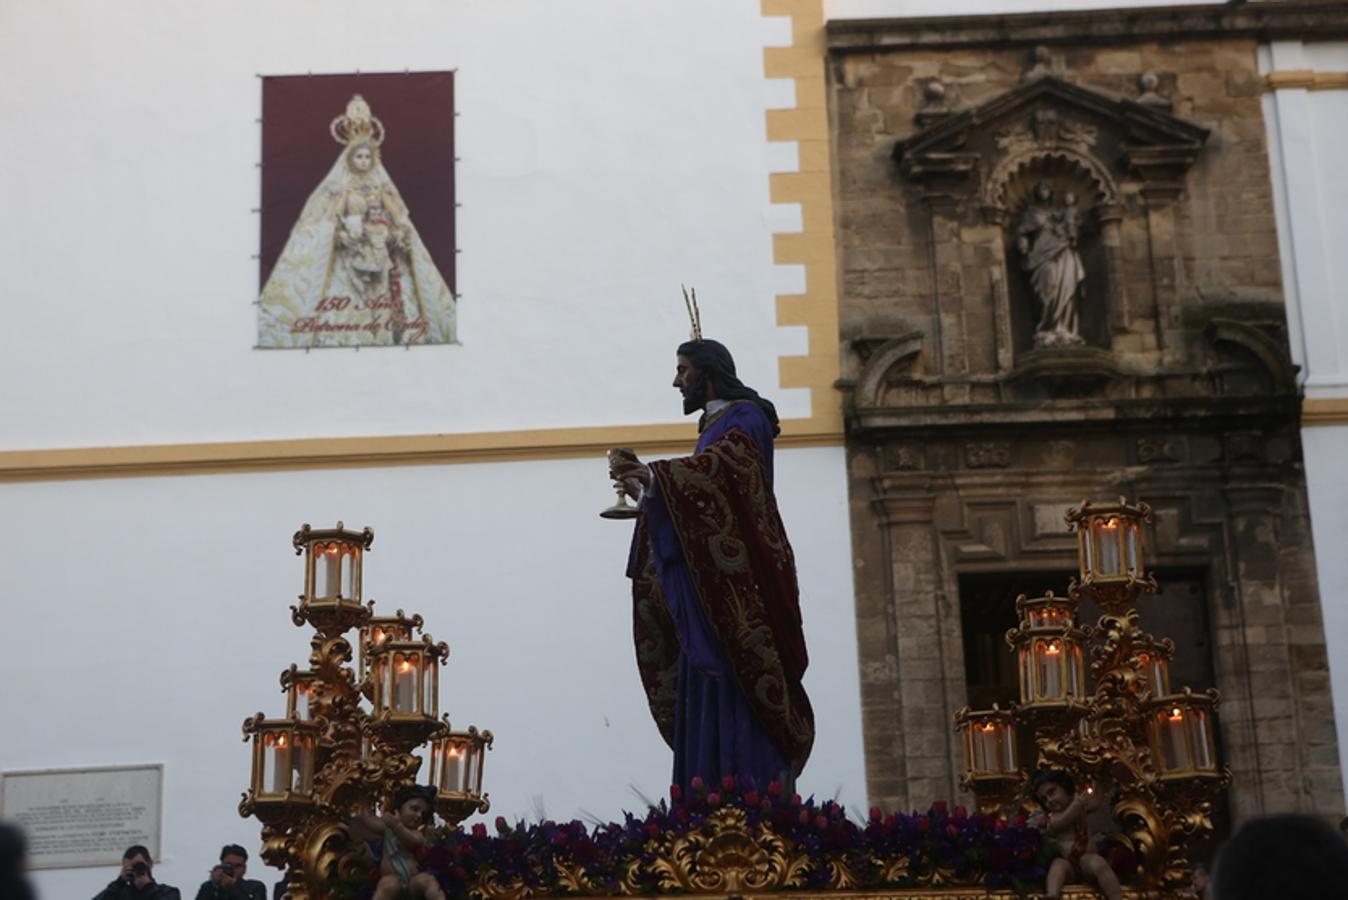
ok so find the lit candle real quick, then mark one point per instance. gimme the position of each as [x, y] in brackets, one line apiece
[332, 572]
[1051, 671]
[1176, 744]
[280, 763]
[985, 748]
[1130, 546]
[451, 778]
[1107, 536]
[303, 695]
[404, 686]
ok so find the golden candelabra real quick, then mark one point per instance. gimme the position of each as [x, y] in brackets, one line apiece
[1123, 726]
[329, 758]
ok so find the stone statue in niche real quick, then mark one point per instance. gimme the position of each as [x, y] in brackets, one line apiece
[1046, 238]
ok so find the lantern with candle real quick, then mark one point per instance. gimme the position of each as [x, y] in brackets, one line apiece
[1180, 732]
[283, 766]
[1110, 551]
[302, 692]
[378, 629]
[991, 767]
[1153, 664]
[456, 772]
[1048, 646]
[331, 600]
[406, 688]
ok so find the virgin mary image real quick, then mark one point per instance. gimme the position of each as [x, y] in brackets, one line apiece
[354, 271]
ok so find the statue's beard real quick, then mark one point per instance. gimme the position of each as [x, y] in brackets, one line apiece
[694, 395]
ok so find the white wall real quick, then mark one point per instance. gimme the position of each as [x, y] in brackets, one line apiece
[609, 152]
[145, 618]
[1307, 131]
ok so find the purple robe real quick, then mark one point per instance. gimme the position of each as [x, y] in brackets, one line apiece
[715, 731]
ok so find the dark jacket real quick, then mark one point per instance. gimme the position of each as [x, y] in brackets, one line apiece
[125, 890]
[240, 890]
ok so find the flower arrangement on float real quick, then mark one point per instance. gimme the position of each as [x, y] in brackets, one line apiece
[818, 845]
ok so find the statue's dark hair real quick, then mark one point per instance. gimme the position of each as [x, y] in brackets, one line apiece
[1050, 776]
[416, 792]
[714, 362]
[1282, 856]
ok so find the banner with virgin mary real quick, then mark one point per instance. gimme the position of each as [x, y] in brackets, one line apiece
[357, 211]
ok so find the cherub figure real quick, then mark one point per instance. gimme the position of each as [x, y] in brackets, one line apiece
[1065, 812]
[402, 832]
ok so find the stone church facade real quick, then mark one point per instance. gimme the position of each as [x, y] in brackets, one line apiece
[1060, 280]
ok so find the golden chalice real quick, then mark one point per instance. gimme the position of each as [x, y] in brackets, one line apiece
[620, 509]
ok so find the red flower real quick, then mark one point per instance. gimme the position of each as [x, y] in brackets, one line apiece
[921, 824]
[479, 831]
[459, 873]
[999, 826]
[961, 813]
[713, 799]
[1018, 822]
[766, 805]
[652, 830]
[560, 839]
[876, 814]
[939, 808]
[821, 822]
[751, 798]
[697, 784]
[804, 817]
[795, 799]
[675, 793]
[775, 788]
[951, 831]
[728, 783]
[502, 825]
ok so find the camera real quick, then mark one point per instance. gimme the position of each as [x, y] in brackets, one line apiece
[139, 868]
[227, 868]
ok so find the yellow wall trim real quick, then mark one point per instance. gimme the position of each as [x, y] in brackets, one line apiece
[329, 453]
[812, 187]
[1306, 79]
[1318, 411]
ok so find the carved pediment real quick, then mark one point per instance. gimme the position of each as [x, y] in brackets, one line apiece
[1050, 117]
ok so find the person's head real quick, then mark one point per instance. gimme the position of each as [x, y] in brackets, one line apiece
[235, 860]
[1042, 192]
[413, 805]
[360, 157]
[13, 851]
[1052, 789]
[1287, 855]
[705, 370]
[136, 861]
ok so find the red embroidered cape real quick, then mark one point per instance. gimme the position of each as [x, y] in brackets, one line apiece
[744, 574]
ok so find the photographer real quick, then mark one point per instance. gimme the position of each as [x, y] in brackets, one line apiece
[136, 880]
[227, 881]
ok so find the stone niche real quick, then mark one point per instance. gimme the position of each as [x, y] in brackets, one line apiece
[1160, 372]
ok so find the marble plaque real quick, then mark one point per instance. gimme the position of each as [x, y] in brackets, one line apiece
[84, 817]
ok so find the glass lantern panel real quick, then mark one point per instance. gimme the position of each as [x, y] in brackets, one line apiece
[1174, 739]
[304, 695]
[1008, 747]
[1160, 676]
[429, 699]
[451, 767]
[403, 691]
[1076, 671]
[471, 775]
[1200, 732]
[327, 570]
[1026, 674]
[1105, 537]
[988, 744]
[1048, 657]
[383, 683]
[303, 758]
[276, 761]
[349, 556]
[1132, 546]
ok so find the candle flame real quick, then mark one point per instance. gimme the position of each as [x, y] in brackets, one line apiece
[987, 726]
[1051, 648]
[1176, 714]
[405, 666]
